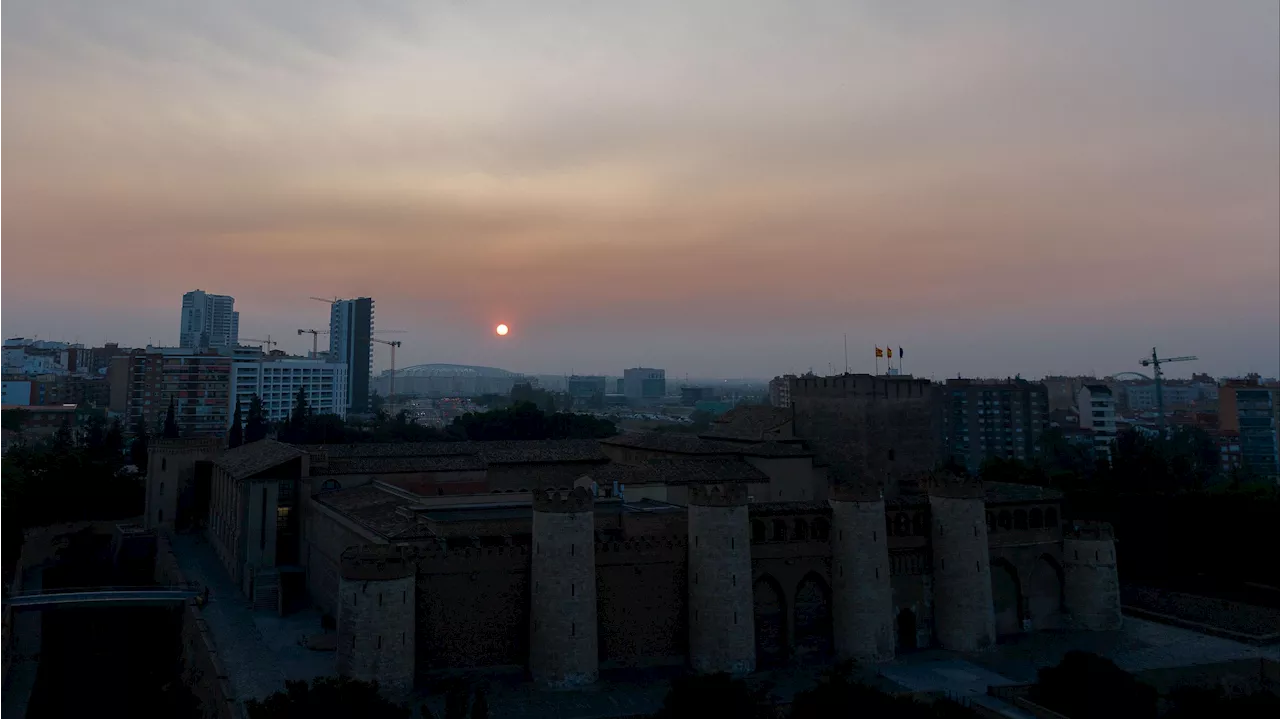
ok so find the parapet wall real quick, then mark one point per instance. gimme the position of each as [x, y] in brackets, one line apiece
[562, 501]
[954, 487]
[202, 668]
[729, 494]
[377, 561]
[1089, 530]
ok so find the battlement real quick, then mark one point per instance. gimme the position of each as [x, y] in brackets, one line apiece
[642, 544]
[856, 492]
[563, 501]
[1089, 530]
[951, 486]
[209, 445]
[718, 495]
[377, 561]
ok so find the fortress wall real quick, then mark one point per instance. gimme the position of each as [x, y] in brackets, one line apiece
[643, 591]
[323, 541]
[473, 608]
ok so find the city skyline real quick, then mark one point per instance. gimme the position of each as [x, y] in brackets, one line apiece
[999, 189]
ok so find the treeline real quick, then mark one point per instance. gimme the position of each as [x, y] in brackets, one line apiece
[1178, 517]
[68, 477]
[521, 420]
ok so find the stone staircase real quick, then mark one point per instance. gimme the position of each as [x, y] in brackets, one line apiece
[266, 590]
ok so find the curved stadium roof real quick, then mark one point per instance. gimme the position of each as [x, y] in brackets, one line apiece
[453, 370]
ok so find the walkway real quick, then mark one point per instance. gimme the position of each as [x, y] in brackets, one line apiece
[113, 595]
[259, 650]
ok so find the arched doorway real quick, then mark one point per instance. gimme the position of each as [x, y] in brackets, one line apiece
[813, 617]
[771, 622]
[1044, 594]
[907, 631]
[1006, 597]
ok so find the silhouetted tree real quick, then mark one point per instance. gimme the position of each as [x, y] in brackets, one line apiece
[1087, 685]
[836, 694]
[695, 697]
[15, 420]
[480, 706]
[235, 437]
[326, 698]
[255, 428]
[171, 422]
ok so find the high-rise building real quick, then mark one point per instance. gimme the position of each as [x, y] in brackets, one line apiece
[1097, 408]
[276, 380]
[644, 384]
[198, 382]
[1251, 410]
[780, 390]
[350, 330]
[209, 321]
[982, 420]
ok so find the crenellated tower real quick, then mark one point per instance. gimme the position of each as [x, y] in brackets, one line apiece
[1092, 585]
[721, 613]
[963, 617]
[376, 616]
[862, 597]
[563, 650]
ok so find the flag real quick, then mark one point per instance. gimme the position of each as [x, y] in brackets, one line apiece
[879, 352]
[889, 350]
[900, 353]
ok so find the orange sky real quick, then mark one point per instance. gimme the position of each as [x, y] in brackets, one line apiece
[712, 187]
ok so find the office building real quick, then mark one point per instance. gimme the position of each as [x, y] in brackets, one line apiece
[1097, 409]
[350, 333]
[198, 382]
[276, 380]
[209, 321]
[1251, 411]
[587, 391]
[984, 420]
[644, 384]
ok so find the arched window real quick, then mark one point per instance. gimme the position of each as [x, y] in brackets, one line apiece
[902, 524]
[1020, 519]
[1037, 518]
[1051, 517]
[758, 531]
[821, 529]
[1005, 520]
[802, 529]
[779, 530]
[919, 525]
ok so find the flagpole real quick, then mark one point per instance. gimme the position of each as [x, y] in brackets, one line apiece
[846, 353]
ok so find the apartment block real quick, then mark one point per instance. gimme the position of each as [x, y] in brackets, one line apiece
[143, 382]
[277, 381]
[1096, 404]
[985, 420]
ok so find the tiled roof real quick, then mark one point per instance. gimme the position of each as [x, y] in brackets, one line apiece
[388, 449]
[678, 471]
[375, 509]
[749, 422]
[250, 459]
[689, 444]
[1004, 492]
[505, 452]
[394, 465]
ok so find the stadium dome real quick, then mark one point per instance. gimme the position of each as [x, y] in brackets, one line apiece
[453, 370]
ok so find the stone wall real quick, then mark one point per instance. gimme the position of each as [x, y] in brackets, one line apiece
[962, 606]
[473, 608]
[862, 594]
[642, 585]
[721, 627]
[376, 623]
[202, 669]
[323, 541]
[1091, 596]
[563, 647]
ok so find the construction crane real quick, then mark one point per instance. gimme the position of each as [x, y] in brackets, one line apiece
[1154, 362]
[265, 343]
[327, 300]
[393, 344]
[315, 340]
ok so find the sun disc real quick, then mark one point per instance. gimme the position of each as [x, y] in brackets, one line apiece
[502, 330]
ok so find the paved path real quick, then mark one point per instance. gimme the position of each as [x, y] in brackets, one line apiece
[112, 596]
[259, 650]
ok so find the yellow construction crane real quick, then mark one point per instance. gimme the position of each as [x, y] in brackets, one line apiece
[1154, 361]
[265, 343]
[393, 344]
[315, 339]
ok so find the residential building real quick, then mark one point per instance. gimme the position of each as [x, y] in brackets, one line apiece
[1252, 410]
[277, 381]
[350, 330]
[1141, 397]
[209, 321]
[644, 385]
[1064, 391]
[1097, 409]
[16, 392]
[1229, 450]
[587, 391]
[143, 382]
[780, 390]
[984, 420]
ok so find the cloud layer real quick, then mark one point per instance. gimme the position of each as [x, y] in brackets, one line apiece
[717, 187]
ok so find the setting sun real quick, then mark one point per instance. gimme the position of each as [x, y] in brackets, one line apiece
[502, 330]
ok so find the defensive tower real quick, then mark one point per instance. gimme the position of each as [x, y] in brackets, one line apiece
[964, 619]
[563, 650]
[721, 614]
[862, 596]
[1092, 585]
[376, 616]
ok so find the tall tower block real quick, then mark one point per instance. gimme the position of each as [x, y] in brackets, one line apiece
[722, 635]
[376, 616]
[1092, 585]
[563, 650]
[862, 596]
[963, 617]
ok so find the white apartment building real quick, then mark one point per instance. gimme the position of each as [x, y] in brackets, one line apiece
[277, 380]
[209, 320]
[1097, 407]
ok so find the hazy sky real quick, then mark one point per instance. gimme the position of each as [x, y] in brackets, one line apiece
[711, 187]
